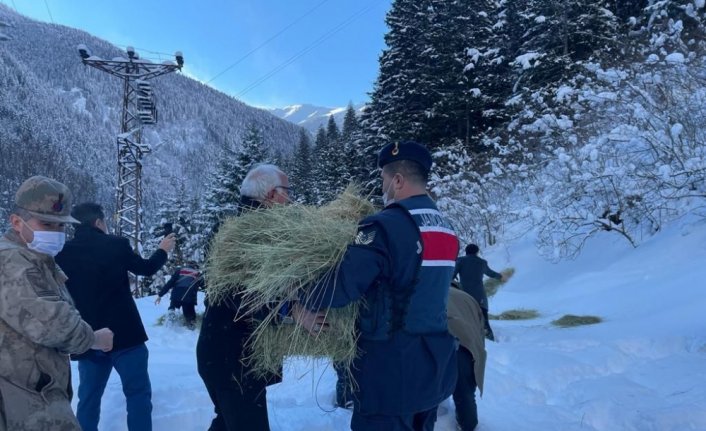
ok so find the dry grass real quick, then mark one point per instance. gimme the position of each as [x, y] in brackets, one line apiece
[271, 256]
[492, 285]
[570, 320]
[519, 314]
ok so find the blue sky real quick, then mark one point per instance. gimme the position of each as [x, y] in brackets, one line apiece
[343, 39]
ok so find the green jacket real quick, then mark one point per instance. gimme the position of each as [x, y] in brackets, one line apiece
[39, 327]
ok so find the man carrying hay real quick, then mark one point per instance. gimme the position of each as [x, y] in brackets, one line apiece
[400, 265]
[237, 394]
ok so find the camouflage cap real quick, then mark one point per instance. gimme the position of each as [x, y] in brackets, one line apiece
[45, 199]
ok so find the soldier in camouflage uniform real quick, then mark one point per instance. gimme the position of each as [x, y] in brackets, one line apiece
[39, 325]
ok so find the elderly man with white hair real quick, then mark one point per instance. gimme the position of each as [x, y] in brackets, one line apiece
[238, 396]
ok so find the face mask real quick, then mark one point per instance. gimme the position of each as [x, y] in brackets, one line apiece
[386, 199]
[47, 242]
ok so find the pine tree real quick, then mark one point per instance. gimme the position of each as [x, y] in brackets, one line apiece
[399, 102]
[337, 153]
[223, 192]
[348, 134]
[330, 163]
[302, 177]
[560, 35]
[252, 152]
[180, 212]
[320, 184]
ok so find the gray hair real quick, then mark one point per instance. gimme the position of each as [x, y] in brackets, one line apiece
[260, 180]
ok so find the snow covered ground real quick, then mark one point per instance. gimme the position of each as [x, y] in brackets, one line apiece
[643, 368]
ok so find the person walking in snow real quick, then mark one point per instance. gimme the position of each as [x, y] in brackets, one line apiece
[238, 396]
[39, 325]
[466, 323]
[184, 283]
[400, 264]
[97, 265]
[470, 269]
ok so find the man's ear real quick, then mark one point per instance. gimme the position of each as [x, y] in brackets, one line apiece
[16, 222]
[271, 194]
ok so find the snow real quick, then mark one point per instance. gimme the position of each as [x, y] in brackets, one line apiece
[675, 57]
[527, 61]
[699, 4]
[291, 110]
[676, 130]
[641, 369]
[335, 111]
[564, 92]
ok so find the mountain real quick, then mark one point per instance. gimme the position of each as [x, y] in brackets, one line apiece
[60, 118]
[312, 117]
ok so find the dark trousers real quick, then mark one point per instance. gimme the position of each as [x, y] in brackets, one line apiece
[465, 393]
[344, 386]
[189, 310]
[422, 421]
[94, 371]
[237, 407]
[488, 330]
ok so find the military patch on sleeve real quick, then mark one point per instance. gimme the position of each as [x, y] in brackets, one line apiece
[365, 238]
[42, 287]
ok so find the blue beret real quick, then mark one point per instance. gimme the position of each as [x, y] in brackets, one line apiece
[405, 151]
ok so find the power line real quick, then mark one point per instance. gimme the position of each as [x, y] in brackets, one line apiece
[270, 39]
[48, 10]
[307, 49]
[14, 6]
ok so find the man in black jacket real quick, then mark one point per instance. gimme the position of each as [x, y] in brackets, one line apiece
[184, 283]
[471, 268]
[97, 265]
[239, 397]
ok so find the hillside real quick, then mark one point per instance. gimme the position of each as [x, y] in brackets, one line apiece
[60, 118]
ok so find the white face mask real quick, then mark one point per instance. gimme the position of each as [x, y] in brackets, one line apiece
[47, 242]
[386, 199]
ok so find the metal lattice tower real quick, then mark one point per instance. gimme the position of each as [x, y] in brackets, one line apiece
[139, 109]
[2, 35]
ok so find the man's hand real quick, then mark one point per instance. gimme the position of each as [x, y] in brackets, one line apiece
[503, 278]
[158, 300]
[309, 320]
[168, 243]
[103, 340]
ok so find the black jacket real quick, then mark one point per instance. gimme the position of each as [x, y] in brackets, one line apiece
[471, 269]
[184, 284]
[97, 266]
[223, 335]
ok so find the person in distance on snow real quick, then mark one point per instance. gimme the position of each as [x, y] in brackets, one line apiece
[470, 269]
[184, 283]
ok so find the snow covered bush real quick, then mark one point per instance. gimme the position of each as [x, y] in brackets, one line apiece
[639, 159]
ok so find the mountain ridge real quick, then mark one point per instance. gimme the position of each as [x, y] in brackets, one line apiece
[60, 118]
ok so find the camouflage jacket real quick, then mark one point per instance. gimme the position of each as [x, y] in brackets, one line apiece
[466, 323]
[39, 327]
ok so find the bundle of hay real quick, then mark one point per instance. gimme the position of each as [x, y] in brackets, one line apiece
[270, 256]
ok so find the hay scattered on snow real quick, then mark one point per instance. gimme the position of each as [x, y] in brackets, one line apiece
[270, 256]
